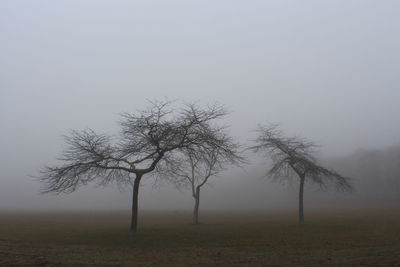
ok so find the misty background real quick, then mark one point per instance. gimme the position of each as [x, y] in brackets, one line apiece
[325, 70]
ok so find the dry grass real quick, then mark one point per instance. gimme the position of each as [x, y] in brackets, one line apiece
[357, 238]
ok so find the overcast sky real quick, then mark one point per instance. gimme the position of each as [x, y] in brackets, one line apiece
[326, 70]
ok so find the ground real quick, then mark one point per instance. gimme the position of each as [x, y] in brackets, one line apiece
[347, 238]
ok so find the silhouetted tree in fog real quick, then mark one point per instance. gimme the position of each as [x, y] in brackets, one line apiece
[195, 165]
[293, 157]
[147, 139]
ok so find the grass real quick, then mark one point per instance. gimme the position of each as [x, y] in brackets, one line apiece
[225, 239]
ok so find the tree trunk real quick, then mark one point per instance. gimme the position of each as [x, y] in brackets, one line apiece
[135, 203]
[196, 206]
[301, 207]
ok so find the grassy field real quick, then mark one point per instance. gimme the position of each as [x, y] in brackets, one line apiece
[357, 238]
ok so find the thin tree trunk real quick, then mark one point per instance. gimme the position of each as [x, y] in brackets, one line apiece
[196, 206]
[135, 203]
[301, 207]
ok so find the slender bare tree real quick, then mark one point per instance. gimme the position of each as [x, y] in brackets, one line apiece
[195, 165]
[146, 140]
[293, 156]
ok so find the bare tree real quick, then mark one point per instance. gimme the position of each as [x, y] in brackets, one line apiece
[294, 156]
[195, 165]
[146, 140]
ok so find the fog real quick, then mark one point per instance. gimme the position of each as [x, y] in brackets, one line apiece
[325, 70]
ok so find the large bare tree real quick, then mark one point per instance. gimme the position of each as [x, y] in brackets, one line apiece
[146, 140]
[194, 165]
[293, 156]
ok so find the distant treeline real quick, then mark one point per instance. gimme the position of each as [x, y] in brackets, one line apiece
[375, 173]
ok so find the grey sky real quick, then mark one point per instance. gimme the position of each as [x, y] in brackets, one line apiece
[327, 70]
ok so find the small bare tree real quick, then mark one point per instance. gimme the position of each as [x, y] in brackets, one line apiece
[294, 156]
[195, 165]
[146, 140]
